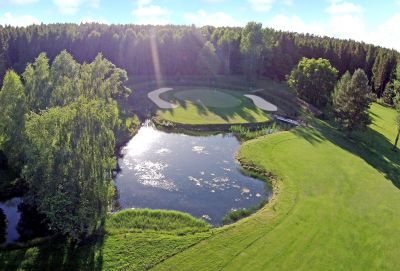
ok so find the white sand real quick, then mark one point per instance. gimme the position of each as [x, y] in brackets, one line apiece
[261, 103]
[155, 97]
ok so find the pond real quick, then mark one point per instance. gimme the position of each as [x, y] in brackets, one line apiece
[9, 218]
[194, 174]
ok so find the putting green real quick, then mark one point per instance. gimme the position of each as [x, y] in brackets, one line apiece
[208, 97]
[202, 105]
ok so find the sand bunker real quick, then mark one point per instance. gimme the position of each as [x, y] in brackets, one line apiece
[155, 97]
[261, 103]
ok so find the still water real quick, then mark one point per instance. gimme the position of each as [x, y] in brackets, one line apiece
[9, 217]
[194, 174]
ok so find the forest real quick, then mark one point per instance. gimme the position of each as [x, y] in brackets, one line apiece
[251, 50]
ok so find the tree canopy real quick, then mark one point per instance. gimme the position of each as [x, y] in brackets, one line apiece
[313, 80]
[351, 100]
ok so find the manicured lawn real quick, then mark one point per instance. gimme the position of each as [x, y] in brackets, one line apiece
[201, 105]
[337, 209]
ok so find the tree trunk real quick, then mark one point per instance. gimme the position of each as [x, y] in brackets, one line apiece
[396, 140]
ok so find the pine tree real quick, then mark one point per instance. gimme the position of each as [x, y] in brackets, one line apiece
[351, 100]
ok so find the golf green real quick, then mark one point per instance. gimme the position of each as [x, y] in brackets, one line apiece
[203, 105]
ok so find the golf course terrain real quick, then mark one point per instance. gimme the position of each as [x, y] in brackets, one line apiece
[336, 207]
[202, 105]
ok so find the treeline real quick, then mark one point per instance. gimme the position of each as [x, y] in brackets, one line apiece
[59, 125]
[181, 50]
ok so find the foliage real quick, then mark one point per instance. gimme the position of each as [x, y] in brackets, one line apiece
[236, 215]
[248, 134]
[313, 80]
[157, 220]
[12, 110]
[397, 106]
[207, 60]
[69, 161]
[351, 100]
[251, 46]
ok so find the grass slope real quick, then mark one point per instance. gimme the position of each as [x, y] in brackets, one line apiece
[210, 106]
[337, 206]
[131, 243]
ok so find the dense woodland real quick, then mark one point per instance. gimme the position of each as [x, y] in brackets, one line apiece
[251, 50]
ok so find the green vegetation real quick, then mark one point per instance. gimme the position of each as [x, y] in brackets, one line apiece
[157, 220]
[313, 80]
[236, 215]
[333, 210]
[130, 244]
[246, 134]
[351, 100]
[59, 127]
[210, 106]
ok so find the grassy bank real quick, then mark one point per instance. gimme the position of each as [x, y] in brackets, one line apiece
[134, 240]
[338, 207]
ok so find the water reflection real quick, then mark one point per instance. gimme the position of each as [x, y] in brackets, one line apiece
[195, 174]
[11, 217]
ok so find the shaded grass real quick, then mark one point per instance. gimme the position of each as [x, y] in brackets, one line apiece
[135, 240]
[336, 209]
[194, 107]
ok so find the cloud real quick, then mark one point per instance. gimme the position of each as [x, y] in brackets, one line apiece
[70, 7]
[343, 7]
[147, 13]
[295, 24]
[92, 20]
[201, 18]
[261, 5]
[23, 20]
[387, 34]
[22, 2]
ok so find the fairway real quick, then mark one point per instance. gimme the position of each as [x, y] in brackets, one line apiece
[337, 207]
[202, 105]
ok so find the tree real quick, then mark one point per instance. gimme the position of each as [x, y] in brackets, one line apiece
[351, 100]
[207, 60]
[251, 46]
[313, 80]
[70, 155]
[37, 83]
[397, 105]
[63, 73]
[12, 110]
[384, 65]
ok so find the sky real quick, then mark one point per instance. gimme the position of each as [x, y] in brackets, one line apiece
[373, 21]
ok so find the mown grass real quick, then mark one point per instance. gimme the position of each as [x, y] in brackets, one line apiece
[135, 240]
[337, 206]
[195, 108]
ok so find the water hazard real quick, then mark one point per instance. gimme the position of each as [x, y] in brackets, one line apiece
[194, 174]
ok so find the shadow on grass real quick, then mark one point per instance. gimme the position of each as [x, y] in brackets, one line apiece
[225, 113]
[370, 145]
[56, 255]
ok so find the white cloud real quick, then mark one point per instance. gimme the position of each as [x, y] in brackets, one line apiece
[387, 34]
[92, 20]
[342, 7]
[147, 13]
[22, 2]
[261, 5]
[201, 18]
[70, 7]
[288, 2]
[23, 20]
[295, 24]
